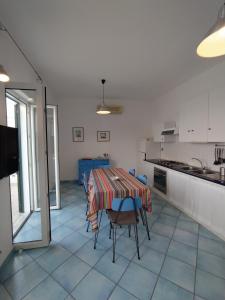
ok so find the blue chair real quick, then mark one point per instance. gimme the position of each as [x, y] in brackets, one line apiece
[131, 172]
[104, 167]
[124, 212]
[142, 178]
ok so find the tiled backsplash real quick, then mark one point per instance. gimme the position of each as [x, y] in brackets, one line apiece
[185, 151]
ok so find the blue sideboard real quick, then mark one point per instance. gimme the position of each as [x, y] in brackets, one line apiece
[86, 165]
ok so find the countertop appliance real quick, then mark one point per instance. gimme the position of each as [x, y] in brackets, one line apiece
[160, 181]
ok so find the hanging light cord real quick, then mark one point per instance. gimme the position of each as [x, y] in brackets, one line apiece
[3, 28]
[103, 92]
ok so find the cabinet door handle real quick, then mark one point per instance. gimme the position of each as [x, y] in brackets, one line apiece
[210, 128]
[192, 130]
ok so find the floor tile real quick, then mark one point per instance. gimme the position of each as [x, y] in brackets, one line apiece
[90, 255]
[185, 217]
[171, 211]
[126, 247]
[188, 226]
[16, 262]
[212, 246]
[25, 280]
[61, 232]
[157, 242]
[166, 290]
[207, 234]
[94, 286]
[185, 237]
[179, 273]
[48, 289]
[71, 272]
[150, 259]
[209, 287]
[4, 295]
[211, 263]
[75, 223]
[168, 220]
[35, 253]
[54, 257]
[198, 298]
[162, 229]
[113, 271]
[183, 252]
[74, 241]
[121, 294]
[138, 281]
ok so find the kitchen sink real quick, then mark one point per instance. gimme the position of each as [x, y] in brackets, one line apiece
[203, 172]
[189, 168]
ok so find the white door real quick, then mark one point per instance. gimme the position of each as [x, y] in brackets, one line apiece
[37, 233]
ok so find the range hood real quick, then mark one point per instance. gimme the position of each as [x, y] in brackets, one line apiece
[170, 128]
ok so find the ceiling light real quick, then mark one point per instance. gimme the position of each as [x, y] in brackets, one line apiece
[102, 109]
[213, 45]
[4, 77]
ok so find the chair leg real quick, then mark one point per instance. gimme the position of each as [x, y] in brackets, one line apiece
[97, 232]
[110, 230]
[146, 222]
[142, 216]
[129, 230]
[137, 241]
[88, 225]
[114, 243]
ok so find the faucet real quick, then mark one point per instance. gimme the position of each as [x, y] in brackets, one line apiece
[202, 166]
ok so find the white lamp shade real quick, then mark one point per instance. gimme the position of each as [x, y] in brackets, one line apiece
[4, 77]
[213, 45]
[102, 110]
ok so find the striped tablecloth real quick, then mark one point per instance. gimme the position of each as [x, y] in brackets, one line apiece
[102, 189]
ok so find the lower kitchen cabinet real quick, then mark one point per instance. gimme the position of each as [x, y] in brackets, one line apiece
[202, 200]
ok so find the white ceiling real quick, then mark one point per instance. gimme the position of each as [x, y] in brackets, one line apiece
[142, 47]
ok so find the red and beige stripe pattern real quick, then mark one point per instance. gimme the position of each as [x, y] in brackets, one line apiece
[102, 190]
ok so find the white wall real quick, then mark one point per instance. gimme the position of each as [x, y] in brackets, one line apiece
[168, 107]
[124, 129]
[19, 71]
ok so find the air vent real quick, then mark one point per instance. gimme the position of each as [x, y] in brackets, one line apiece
[115, 109]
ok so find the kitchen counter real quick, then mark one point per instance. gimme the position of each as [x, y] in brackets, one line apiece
[212, 176]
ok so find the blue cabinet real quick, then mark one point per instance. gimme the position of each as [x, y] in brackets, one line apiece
[86, 165]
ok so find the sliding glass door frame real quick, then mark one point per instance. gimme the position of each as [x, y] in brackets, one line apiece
[56, 155]
[42, 155]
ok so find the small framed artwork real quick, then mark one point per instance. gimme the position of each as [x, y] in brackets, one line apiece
[103, 136]
[78, 134]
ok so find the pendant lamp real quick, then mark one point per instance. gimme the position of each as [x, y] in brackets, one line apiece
[213, 45]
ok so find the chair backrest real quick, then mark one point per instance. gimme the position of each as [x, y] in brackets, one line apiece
[85, 182]
[131, 172]
[104, 166]
[142, 178]
[126, 204]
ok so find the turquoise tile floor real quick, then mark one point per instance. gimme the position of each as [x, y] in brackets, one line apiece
[182, 261]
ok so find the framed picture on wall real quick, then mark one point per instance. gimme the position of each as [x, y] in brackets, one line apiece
[103, 136]
[78, 134]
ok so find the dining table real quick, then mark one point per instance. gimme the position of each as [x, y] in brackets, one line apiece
[105, 184]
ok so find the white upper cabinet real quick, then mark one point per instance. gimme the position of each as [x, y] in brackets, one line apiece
[216, 125]
[157, 130]
[194, 120]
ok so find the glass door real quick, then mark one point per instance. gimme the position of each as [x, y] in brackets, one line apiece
[29, 188]
[53, 157]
